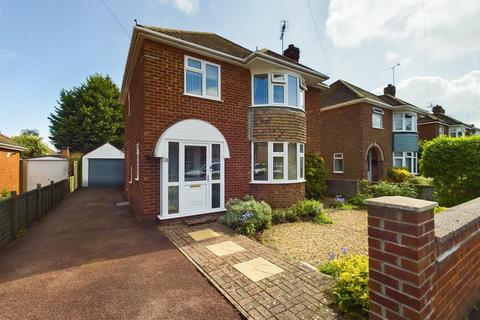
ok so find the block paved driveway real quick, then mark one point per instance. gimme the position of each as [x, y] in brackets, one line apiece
[91, 260]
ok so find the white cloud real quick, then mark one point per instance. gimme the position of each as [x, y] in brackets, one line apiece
[186, 6]
[459, 97]
[457, 22]
[391, 57]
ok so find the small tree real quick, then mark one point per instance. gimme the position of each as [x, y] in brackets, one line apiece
[315, 174]
[33, 142]
[454, 165]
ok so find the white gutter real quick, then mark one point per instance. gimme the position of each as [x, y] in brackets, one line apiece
[12, 147]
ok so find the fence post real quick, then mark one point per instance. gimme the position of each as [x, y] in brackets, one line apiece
[52, 194]
[14, 214]
[39, 201]
[401, 249]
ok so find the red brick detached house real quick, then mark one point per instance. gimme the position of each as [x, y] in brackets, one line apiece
[362, 135]
[9, 164]
[438, 123]
[207, 120]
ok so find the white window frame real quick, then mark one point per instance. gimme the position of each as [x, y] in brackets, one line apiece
[137, 162]
[403, 117]
[377, 112]
[284, 155]
[203, 71]
[338, 156]
[413, 158]
[301, 88]
[458, 132]
[441, 130]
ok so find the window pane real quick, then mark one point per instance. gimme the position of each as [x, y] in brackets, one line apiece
[216, 162]
[260, 161]
[292, 91]
[260, 89]
[173, 162]
[212, 80]
[338, 165]
[278, 147]
[301, 147]
[194, 82]
[194, 64]
[216, 195]
[278, 94]
[292, 161]
[398, 154]
[377, 120]
[195, 163]
[278, 168]
[302, 166]
[173, 199]
[398, 163]
[408, 122]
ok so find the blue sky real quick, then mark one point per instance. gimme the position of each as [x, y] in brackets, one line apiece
[49, 45]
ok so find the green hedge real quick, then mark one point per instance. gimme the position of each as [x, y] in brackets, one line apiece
[454, 165]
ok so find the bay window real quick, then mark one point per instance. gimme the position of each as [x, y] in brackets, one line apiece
[408, 160]
[277, 162]
[404, 121]
[278, 89]
[202, 78]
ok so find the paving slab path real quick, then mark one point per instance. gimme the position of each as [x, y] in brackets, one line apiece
[91, 260]
[260, 282]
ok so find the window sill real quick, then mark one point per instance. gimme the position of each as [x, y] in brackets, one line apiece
[339, 172]
[404, 131]
[277, 106]
[278, 182]
[378, 128]
[203, 97]
[137, 179]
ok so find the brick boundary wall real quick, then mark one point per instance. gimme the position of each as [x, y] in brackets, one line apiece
[422, 266]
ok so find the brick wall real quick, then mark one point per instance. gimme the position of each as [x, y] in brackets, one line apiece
[430, 131]
[10, 170]
[278, 195]
[422, 266]
[348, 130]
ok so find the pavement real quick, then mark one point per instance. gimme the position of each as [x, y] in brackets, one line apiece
[89, 259]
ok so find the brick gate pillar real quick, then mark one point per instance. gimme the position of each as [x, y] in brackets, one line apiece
[401, 248]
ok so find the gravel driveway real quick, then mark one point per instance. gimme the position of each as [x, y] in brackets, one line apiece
[312, 243]
[91, 260]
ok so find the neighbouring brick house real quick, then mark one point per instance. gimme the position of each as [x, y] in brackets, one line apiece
[9, 164]
[207, 120]
[438, 123]
[361, 135]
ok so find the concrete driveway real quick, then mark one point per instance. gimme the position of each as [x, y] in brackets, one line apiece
[91, 260]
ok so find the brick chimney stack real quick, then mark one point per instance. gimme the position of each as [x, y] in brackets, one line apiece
[390, 89]
[292, 52]
[438, 110]
[66, 152]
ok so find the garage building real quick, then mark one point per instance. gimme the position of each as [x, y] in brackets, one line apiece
[103, 167]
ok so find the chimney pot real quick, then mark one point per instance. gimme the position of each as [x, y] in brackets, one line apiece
[438, 109]
[292, 52]
[65, 152]
[390, 89]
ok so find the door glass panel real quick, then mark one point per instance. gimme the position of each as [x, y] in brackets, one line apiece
[292, 161]
[173, 162]
[216, 165]
[195, 163]
[278, 168]
[173, 199]
[216, 195]
[260, 164]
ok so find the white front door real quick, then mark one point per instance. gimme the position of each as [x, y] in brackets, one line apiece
[192, 179]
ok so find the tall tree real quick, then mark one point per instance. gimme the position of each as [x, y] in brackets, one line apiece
[88, 116]
[31, 140]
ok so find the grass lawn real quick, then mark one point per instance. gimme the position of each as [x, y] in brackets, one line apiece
[312, 243]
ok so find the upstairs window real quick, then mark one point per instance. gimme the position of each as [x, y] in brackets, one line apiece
[377, 118]
[404, 121]
[202, 78]
[278, 89]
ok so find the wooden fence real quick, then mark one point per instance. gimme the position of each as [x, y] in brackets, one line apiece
[20, 212]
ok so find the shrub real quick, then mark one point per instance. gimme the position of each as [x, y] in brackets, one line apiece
[305, 210]
[454, 165]
[420, 180]
[278, 216]
[439, 209]
[342, 206]
[247, 216]
[4, 193]
[399, 174]
[380, 189]
[359, 200]
[315, 174]
[350, 291]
